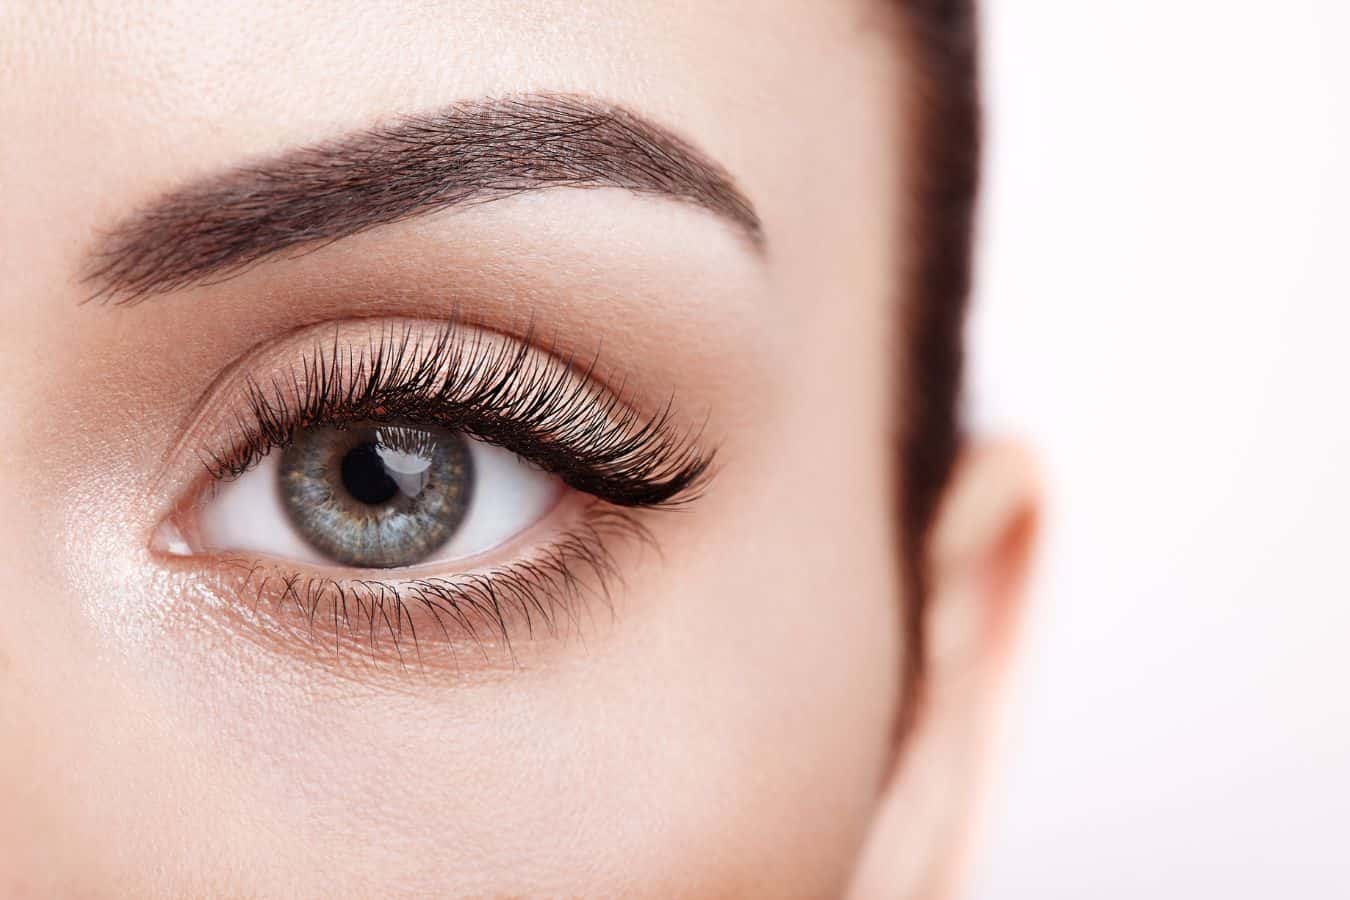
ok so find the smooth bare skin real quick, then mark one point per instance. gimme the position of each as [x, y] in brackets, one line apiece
[729, 730]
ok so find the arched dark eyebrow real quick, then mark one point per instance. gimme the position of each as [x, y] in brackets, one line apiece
[465, 154]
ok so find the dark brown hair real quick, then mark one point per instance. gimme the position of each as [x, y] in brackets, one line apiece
[940, 44]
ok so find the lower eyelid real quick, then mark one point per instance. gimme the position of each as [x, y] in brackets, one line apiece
[423, 621]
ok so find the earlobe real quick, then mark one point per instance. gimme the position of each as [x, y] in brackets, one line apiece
[979, 552]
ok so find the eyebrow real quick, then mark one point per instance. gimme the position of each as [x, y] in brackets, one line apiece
[468, 153]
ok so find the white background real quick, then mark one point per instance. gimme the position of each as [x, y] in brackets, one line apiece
[1164, 311]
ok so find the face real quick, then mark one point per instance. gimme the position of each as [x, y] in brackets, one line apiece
[442, 495]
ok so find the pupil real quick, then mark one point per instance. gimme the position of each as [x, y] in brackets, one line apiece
[364, 475]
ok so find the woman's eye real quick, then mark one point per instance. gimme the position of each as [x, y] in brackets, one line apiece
[378, 496]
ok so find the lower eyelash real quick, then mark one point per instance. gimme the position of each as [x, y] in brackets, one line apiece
[421, 622]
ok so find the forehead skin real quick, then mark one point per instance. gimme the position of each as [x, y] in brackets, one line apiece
[724, 736]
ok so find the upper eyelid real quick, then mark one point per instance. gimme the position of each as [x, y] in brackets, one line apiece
[360, 364]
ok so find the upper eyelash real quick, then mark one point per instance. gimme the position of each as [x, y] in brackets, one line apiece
[509, 394]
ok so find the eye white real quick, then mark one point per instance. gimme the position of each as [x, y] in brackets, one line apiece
[509, 495]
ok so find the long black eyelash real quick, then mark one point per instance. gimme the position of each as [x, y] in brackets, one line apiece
[544, 594]
[506, 393]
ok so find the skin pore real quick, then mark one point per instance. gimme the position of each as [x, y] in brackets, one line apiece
[715, 717]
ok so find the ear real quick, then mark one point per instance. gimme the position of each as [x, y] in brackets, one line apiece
[978, 555]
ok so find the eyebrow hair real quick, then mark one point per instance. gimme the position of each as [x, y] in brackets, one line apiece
[468, 153]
